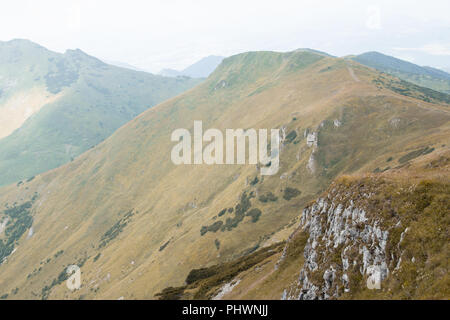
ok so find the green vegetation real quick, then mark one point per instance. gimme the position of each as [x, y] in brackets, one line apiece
[290, 193]
[171, 293]
[220, 274]
[217, 244]
[221, 213]
[97, 257]
[415, 154]
[200, 274]
[269, 196]
[255, 214]
[245, 68]
[20, 220]
[60, 252]
[96, 99]
[411, 90]
[116, 229]
[212, 228]
[295, 249]
[64, 75]
[424, 210]
[125, 170]
[254, 181]
[164, 246]
[291, 136]
[62, 276]
[203, 281]
[422, 76]
[239, 212]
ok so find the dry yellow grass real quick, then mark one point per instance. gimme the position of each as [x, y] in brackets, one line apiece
[82, 200]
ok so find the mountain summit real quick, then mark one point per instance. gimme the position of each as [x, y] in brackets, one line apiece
[55, 106]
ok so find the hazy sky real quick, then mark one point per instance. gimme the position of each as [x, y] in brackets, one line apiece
[175, 33]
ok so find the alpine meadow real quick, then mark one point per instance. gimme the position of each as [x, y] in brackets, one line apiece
[257, 172]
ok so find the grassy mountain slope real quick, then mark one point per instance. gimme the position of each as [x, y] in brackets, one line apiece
[423, 76]
[409, 205]
[137, 224]
[56, 106]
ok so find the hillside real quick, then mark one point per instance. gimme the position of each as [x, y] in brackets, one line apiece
[396, 221]
[136, 224]
[53, 106]
[423, 76]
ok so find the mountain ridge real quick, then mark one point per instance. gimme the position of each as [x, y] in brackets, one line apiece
[127, 215]
[55, 106]
[200, 69]
[423, 76]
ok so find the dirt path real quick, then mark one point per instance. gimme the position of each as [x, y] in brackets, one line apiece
[253, 285]
[352, 74]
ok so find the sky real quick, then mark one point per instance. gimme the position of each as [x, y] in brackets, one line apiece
[157, 34]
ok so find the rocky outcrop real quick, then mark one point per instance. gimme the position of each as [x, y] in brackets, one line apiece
[312, 163]
[312, 139]
[344, 241]
[227, 288]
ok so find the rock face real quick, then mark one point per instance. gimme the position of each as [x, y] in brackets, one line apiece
[312, 163]
[344, 241]
[311, 139]
[3, 225]
[227, 288]
[395, 122]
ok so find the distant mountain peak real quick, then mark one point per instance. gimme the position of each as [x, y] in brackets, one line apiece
[201, 69]
[313, 51]
[124, 65]
[170, 73]
[80, 55]
[67, 101]
[21, 43]
[423, 76]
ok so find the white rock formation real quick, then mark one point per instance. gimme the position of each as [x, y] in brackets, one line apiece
[30, 233]
[312, 164]
[312, 140]
[338, 228]
[395, 122]
[227, 288]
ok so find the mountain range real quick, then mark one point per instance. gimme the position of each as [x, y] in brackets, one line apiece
[423, 76]
[363, 183]
[54, 106]
[200, 69]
